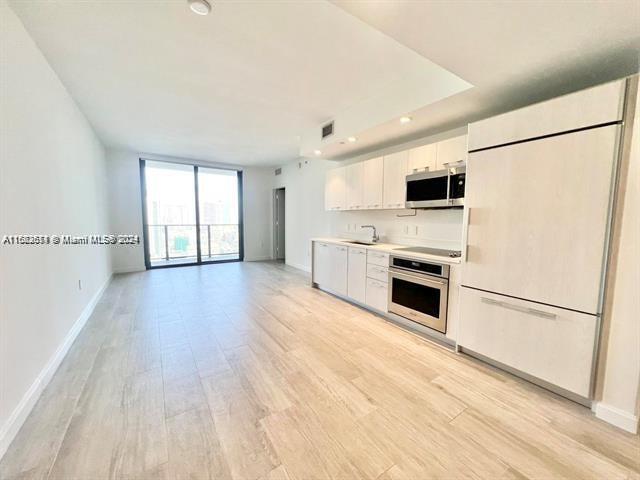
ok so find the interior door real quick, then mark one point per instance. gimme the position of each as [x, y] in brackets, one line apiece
[538, 214]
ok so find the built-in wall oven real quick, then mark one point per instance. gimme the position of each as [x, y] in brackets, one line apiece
[418, 291]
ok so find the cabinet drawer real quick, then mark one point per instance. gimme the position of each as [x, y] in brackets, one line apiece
[552, 344]
[376, 295]
[378, 258]
[378, 273]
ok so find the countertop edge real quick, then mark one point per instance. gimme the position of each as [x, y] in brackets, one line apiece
[389, 248]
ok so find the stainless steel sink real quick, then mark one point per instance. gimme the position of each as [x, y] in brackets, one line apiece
[358, 242]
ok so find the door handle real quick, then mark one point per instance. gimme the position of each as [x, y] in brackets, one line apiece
[518, 308]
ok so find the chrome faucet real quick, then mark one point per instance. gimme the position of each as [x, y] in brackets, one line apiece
[375, 237]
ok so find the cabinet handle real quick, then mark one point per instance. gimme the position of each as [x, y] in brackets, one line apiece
[518, 308]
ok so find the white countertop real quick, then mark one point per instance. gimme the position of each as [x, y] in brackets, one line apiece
[388, 248]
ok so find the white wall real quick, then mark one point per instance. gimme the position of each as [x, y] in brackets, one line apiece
[306, 218]
[52, 181]
[125, 211]
[619, 398]
[125, 206]
[257, 186]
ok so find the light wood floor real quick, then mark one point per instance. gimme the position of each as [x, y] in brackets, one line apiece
[244, 371]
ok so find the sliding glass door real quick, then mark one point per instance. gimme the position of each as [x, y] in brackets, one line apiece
[191, 214]
[219, 222]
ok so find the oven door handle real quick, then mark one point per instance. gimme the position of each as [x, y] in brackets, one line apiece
[420, 279]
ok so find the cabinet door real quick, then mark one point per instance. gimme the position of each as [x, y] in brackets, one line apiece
[335, 189]
[377, 295]
[373, 183]
[537, 218]
[395, 171]
[357, 274]
[355, 181]
[321, 264]
[451, 151]
[422, 158]
[338, 269]
[552, 344]
[594, 106]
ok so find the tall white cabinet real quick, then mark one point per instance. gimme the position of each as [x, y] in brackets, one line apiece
[538, 213]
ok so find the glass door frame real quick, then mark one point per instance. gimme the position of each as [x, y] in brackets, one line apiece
[196, 199]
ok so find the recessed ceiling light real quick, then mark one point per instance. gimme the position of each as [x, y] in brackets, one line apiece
[317, 152]
[352, 139]
[405, 119]
[201, 7]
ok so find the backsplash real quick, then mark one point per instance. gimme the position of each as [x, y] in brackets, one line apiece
[429, 228]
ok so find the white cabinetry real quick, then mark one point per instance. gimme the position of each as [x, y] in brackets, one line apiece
[594, 106]
[377, 293]
[422, 158]
[335, 189]
[330, 267]
[377, 280]
[451, 151]
[552, 344]
[395, 172]
[373, 172]
[355, 186]
[338, 259]
[321, 263]
[357, 274]
[537, 218]
[381, 182]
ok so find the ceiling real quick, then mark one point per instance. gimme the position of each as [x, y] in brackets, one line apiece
[246, 83]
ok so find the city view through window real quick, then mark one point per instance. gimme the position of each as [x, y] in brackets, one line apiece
[171, 213]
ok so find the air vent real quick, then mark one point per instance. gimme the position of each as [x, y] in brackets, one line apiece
[278, 171]
[327, 130]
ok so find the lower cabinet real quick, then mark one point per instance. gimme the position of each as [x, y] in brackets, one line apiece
[338, 258]
[321, 264]
[357, 274]
[377, 293]
[330, 267]
[549, 343]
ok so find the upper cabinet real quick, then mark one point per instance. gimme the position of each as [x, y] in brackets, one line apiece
[355, 185]
[373, 183]
[335, 189]
[381, 182]
[395, 172]
[422, 158]
[594, 106]
[451, 151]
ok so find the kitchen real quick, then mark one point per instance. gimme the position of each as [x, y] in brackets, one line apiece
[499, 284]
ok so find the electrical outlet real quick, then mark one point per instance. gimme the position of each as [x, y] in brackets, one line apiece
[415, 230]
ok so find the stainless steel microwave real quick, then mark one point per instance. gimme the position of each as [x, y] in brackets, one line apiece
[437, 189]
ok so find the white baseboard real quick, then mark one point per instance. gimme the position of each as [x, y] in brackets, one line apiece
[12, 426]
[258, 259]
[129, 270]
[617, 417]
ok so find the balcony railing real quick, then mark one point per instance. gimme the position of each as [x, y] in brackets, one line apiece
[178, 241]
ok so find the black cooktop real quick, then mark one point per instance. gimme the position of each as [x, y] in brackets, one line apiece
[441, 252]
